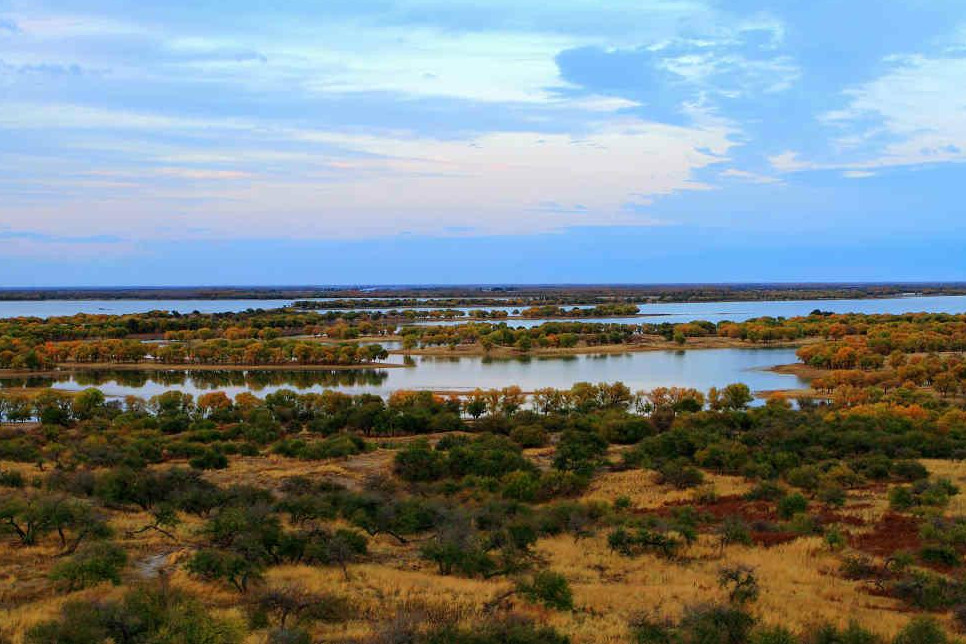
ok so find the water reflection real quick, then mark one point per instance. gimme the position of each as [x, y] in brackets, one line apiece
[255, 380]
[655, 312]
[701, 369]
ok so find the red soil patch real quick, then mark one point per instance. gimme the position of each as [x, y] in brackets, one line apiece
[768, 539]
[893, 532]
[756, 513]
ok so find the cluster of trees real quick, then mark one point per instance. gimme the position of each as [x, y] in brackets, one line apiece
[253, 323]
[598, 311]
[273, 352]
[205, 352]
[547, 335]
[891, 361]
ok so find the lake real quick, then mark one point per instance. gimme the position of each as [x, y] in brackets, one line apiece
[676, 312]
[701, 369]
[740, 311]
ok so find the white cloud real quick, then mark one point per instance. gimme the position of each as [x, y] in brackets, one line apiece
[751, 177]
[921, 103]
[788, 161]
[914, 114]
[360, 185]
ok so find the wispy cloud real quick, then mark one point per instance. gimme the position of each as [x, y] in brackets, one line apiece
[334, 120]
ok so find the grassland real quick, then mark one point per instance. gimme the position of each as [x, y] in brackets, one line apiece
[801, 582]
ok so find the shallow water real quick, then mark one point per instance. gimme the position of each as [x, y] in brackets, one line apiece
[701, 369]
[740, 311]
[677, 312]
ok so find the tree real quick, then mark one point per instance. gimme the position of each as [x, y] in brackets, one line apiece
[733, 397]
[144, 614]
[418, 462]
[236, 569]
[88, 403]
[97, 562]
[740, 582]
[548, 588]
[579, 451]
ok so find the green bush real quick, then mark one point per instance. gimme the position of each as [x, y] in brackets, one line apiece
[680, 475]
[94, 563]
[417, 463]
[791, 505]
[148, 614]
[922, 630]
[11, 478]
[238, 570]
[548, 588]
[528, 436]
[940, 554]
[209, 459]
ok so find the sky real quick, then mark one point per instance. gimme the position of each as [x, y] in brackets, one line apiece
[444, 141]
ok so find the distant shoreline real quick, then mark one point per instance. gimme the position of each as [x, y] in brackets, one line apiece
[660, 293]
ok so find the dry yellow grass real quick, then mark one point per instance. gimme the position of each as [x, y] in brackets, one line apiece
[797, 587]
[800, 584]
[645, 493]
[270, 470]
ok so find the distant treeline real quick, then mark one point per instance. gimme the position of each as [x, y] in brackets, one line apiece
[516, 295]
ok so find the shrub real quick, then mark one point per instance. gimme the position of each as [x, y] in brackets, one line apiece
[148, 614]
[579, 451]
[548, 588]
[94, 563]
[209, 459]
[680, 475]
[858, 567]
[940, 554]
[633, 542]
[527, 436]
[792, 505]
[624, 429]
[910, 470]
[282, 606]
[921, 630]
[11, 478]
[487, 455]
[922, 494]
[734, 530]
[852, 634]
[740, 582]
[555, 484]
[766, 491]
[417, 463]
[520, 486]
[236, 569]
[714, 624]
[806, 477]
[832, 496]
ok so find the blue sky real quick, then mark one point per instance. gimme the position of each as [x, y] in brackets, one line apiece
[446, 141]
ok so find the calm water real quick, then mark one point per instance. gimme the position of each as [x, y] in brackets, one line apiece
[740, 311]
[56, 308]
[701, 369]
[680, 312]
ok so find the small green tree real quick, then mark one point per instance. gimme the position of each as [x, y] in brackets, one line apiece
[96, 562]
